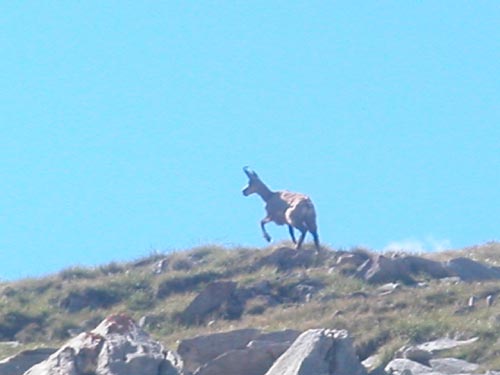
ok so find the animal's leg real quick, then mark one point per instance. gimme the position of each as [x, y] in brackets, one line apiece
[301, 238]
[292, 234]
[295, 219]
[316, 240]
[303, 231]
[263, 222]
[312, 227]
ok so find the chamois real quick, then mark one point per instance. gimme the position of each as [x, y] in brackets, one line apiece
[284, 207]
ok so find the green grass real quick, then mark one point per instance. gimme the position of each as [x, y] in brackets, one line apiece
[45, 311]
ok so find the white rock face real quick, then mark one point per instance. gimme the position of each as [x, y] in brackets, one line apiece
[116, 347]
[319, 352]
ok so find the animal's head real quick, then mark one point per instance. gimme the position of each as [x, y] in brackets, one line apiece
[253, 182]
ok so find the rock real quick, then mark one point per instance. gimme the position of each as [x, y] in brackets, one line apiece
[372, 363]
[21, 362]
[388, 288]
[255, 359]
[197, 351]
[354, 259]
[470, 270]
[378, 371]
[287, 335]
[161, 266]
[382, 269]
[398, 365]
[248, 361]
[319, 352]
[116, 347]
[444, 344]
[452, 366]
[440, 366]
[210, 299]
[418, 355]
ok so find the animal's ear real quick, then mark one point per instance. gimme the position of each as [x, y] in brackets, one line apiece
[249, 172]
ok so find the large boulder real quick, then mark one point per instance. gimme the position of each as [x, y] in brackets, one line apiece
[319, 352]
[197, 351]
[209, 300]
[116, 347]
[248, 361]
[255, 359]
[470, 270]
[382, 269]
[23, 361]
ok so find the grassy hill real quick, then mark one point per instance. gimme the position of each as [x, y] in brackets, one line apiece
[156, 289]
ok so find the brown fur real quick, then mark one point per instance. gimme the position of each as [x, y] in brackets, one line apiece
[284, 207]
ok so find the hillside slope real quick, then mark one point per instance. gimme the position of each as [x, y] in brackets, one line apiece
[271, 289]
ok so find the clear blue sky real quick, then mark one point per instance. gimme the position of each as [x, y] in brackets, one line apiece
[125, 124]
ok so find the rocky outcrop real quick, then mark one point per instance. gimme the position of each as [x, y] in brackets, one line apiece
[23, 361]
[379, 268]
[470, 270]
[197, 351]
[247, 361]
[382, 269]
[116, 347]
[210, 299]
[319, 352]
[241, 352]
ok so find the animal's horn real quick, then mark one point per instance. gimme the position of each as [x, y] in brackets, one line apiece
[247, 171]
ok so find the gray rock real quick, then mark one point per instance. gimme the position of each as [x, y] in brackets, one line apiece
[439, 366]
[452, 366]
[444, 344]
[287, 335]
[248, 361]
[116, 347]
[470, 270]
[319, 352]
[254, 359]
[382, 269]
[354, 259]
[416, 354]
[210, 299]
[399, 365]
[21, 362]
[198, 351]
